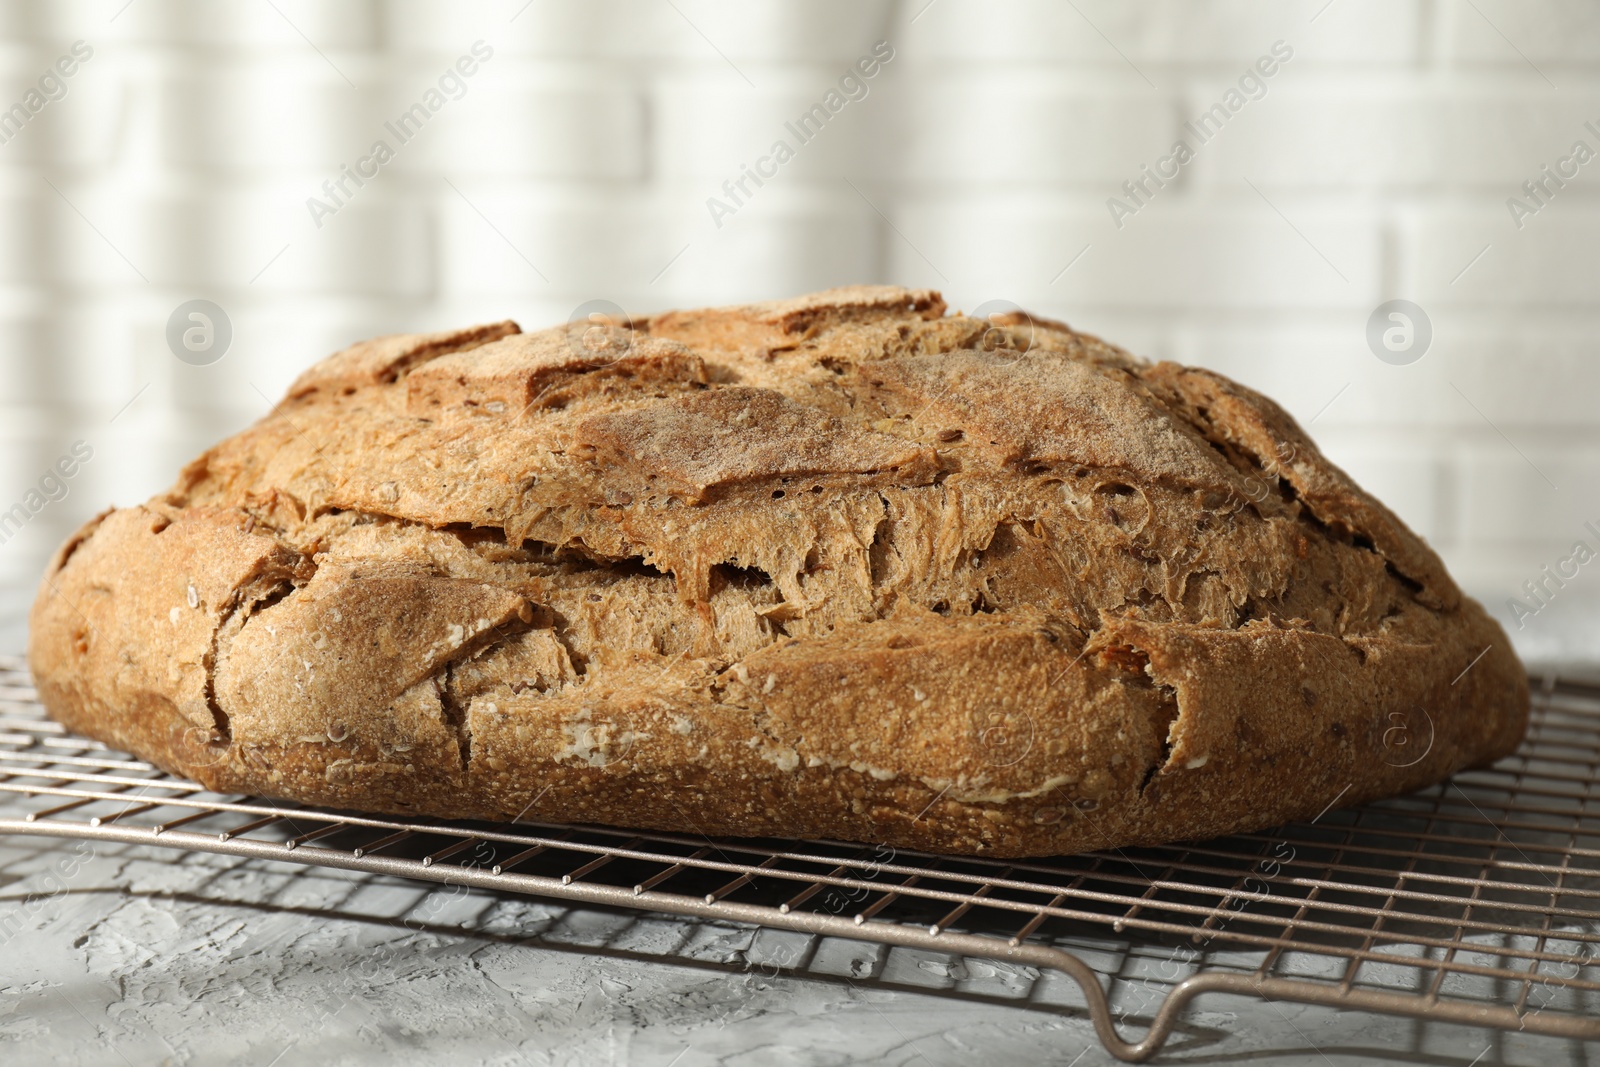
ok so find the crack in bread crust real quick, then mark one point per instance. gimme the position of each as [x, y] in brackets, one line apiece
[842, 566]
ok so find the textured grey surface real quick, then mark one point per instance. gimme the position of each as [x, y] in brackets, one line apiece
[116, 954]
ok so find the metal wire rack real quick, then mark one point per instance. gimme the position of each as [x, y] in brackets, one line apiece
[1475, 902]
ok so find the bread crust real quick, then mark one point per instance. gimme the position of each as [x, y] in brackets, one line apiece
[842, 566]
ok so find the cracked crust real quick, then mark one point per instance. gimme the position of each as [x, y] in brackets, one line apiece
[841, 566]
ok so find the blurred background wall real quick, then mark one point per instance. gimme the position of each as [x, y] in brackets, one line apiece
[1376, 162]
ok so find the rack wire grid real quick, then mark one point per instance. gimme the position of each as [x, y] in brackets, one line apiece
[1475, 902]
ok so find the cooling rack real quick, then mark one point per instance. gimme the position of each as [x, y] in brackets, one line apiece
[1475, 902]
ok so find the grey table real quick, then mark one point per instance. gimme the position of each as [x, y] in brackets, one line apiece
[152, 956]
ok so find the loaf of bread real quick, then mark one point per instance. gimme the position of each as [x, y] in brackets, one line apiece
[842, 566]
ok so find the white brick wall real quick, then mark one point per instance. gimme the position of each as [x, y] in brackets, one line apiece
[578, 163]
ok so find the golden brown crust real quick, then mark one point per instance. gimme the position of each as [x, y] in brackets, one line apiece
[384, 359]
[838, 566]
